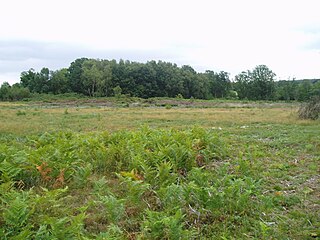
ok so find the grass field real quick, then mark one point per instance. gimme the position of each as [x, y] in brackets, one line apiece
[205, 170]
[24, 119]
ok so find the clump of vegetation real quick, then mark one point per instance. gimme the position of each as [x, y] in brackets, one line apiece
[179, 96]
[310, 110]
[117, 92]
[168, 106]
[15, 92]
[21, 113]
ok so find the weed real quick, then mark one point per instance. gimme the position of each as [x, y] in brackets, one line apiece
[21, 113]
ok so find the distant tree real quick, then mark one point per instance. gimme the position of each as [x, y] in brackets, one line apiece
[159, 74]
[304, 91]
[143, 78]
[59, 81]
[41, 81]
[169, 80]
[219, 84]
[94, 77]
[315, 91]
[105, 86]
[222, 85]
[27, 78]
[188, 68]
[74, 76]
[263, 82]
[187, 82]
[286, 90]
[257, 84]
[241, 85]
[5, 91]
[91, 77]
[201, 87]
[36, 81]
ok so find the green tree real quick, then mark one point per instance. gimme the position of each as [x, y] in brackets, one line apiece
[241, 85]
[74, 76]
[27, 78]
[91, 77]
[59, 81]
[257, 84]
[286, 90]
[263, 82]
[219, 83]
[304, 91]
[190, 87]
[315, 91]
[36, 81]
[5, 91]
[105, 85]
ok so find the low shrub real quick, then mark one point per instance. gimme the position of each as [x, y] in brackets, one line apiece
[311, 109]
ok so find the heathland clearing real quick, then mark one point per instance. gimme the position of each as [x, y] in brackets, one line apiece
[101, 171]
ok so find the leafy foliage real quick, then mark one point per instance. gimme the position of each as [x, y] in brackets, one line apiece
[106, 78]
[15, 92]
[149, 183]
[257, 84]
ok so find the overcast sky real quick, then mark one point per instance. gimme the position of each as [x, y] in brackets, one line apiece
[229, 35]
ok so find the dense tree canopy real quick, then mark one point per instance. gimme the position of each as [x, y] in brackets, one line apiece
[257, 84]
[96, 77]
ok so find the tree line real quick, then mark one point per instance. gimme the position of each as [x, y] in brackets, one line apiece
[106, 78]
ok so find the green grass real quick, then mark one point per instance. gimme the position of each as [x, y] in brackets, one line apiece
[97, 172]
[25, 119]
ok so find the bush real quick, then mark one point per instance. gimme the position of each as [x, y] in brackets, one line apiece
[310, 110]
[21, 113]
[232, 95]
[18, 93]
[168, 106]
[13, 93]
[179, 96]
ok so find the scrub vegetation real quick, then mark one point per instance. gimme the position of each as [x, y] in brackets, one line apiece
[84, 169]
[311, 109]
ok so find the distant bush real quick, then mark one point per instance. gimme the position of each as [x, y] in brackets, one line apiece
[14, 92]
[168, 106]
[310, 110]
[117, 91]
[21, 113]
[179, 96]
[232, 95]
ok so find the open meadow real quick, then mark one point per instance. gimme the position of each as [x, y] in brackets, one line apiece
[148, 170]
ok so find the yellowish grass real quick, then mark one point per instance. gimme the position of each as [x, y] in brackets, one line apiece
[37, 120]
